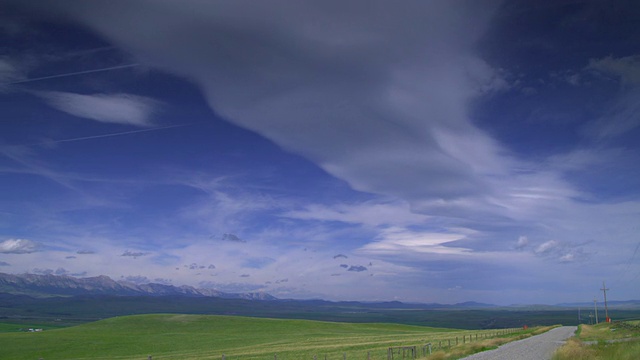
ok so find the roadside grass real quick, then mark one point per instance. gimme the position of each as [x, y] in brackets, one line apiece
[603, 341]
[170, 336]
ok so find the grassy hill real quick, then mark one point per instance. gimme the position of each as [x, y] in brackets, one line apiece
[210, 336]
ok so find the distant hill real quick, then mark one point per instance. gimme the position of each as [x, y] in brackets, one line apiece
[614, 304]
[60, 285]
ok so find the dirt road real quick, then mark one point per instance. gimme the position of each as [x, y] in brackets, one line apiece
[539, 347]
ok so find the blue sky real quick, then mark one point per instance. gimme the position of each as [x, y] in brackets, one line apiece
[421, 151]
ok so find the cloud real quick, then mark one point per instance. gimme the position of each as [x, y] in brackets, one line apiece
[59, 271]
[108, 108]
[162, 281]
[399, 241]
[309, 76]
[546, 247]
[135, 254]
[621, 115]
[136, 279]
[85, 252]
[562, 252]
[19, 246]
[230, 287]
[8, 72]
[258, 262]
[523, 241]
[619, 119]
[368, 213]
[232, 238]
[4, 263]
[625, 69]
[194, 266]
[340, 256]
[357, 268]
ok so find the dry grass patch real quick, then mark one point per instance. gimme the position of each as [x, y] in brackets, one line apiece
[574, 349]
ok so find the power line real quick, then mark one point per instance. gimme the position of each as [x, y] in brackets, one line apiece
[606, 310]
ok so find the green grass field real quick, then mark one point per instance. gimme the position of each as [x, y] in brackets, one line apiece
[211, 336]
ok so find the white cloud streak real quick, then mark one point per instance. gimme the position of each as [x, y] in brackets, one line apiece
[18, 246]
[108, 108]
[13, 80]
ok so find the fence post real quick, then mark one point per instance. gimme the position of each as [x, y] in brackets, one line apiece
[149, 357]
[344, 356]
[275, 356]
[223, 358]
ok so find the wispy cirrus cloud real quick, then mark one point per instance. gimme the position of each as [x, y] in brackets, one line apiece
[625, 69]
[108, 108]
[9, 72]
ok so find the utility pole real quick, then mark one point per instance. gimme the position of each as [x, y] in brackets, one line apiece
[606, 311]
[595, 306]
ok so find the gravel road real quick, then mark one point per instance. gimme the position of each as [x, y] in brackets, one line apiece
[539, 347]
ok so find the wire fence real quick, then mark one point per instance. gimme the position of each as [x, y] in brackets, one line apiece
[377, 352]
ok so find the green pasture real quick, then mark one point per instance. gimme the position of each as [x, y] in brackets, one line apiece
[210, 336]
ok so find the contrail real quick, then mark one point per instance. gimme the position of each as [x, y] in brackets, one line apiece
[72, 74]
[112, 134]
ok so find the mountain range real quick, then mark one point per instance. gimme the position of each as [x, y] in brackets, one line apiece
[60, 285]
[49, 285]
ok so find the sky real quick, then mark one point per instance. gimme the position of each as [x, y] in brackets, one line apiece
[419, 151]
